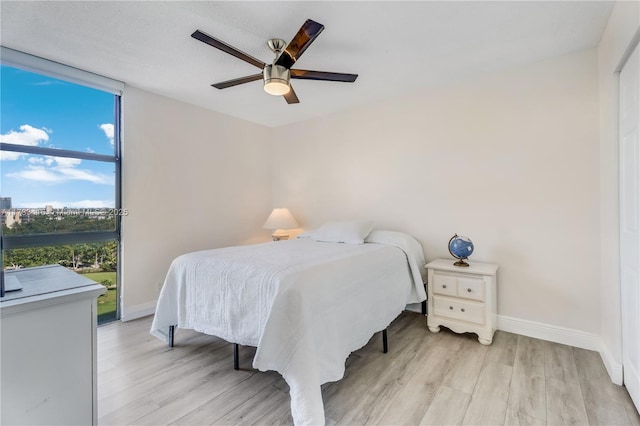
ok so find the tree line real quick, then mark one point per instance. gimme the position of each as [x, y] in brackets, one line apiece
[99, 256]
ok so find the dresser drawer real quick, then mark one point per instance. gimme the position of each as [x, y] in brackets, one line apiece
[445, 284]
[471, 288]
[458, 309]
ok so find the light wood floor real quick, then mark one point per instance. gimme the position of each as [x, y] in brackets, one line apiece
[425, 378]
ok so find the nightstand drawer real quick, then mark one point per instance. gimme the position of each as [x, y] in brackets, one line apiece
[460, 286]
[471, 288]
[445, 284]
[457, 309]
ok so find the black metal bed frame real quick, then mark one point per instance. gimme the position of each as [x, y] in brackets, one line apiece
[236, 361]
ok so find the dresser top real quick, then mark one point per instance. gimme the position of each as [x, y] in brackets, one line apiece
[473, 268]
[42, 280]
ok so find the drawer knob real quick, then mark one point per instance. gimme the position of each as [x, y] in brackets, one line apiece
[469, 290]
[462, 309]
[444, 286]
[451, 307]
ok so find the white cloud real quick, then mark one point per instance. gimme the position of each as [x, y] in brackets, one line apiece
[27, 135]
[37, 173]
[58, 170]
[70, 173]
[66, 162]
[97, 204]
[41, 160]
[107, 128]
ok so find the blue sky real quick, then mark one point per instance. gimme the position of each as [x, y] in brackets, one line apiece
[42, 111]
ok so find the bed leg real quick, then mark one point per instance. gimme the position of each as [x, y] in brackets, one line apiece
[236, 362]
[385, 347]
[170, 337]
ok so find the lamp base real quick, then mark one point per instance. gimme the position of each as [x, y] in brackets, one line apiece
[279, 235]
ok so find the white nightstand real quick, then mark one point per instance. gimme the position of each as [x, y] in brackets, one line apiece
[462, 299]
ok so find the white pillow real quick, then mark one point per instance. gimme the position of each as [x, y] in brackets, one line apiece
[349, 232]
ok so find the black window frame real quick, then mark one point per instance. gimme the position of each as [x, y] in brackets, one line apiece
[9, 242]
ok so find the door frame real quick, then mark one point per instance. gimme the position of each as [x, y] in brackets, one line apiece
[631, 49]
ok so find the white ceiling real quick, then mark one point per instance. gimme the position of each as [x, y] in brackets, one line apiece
[395, 47]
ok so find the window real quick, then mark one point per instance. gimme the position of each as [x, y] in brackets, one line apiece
[60, 171]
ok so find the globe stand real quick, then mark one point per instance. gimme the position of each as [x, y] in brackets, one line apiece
[461, 262]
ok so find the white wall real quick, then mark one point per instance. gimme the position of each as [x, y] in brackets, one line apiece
[508, 159]
[193, 179]
[623, 23]
[525, 162]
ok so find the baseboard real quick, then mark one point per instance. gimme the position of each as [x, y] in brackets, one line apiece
[138, 311]
[614, 368]
[552, 333]
[565, 336]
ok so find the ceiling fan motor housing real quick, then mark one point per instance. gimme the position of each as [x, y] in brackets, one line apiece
[276, 79]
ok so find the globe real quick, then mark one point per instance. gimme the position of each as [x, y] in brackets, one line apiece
[460, 248]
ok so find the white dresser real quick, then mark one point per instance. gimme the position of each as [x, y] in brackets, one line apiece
[462, 299]
[48, 364]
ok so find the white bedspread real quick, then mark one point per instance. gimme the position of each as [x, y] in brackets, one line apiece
[305, 305]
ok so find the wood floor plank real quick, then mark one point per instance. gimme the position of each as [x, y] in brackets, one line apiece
[362, 385]
[503, 348]
[388, 373]
[565, 405]
[630, 408]
[413, 399]
[527, 391]
[601, 397]
[527, 395]
[447, 408]
[213, 405]
[488, 403]
[162, 389]
[559, 363]
[466, 366]
[203, 392]
[516, 418]
[253, 409]
[280, 415]
[530, 354]
[192, 364]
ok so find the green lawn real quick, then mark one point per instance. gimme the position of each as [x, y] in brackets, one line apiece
[101, 276]
[106, 302]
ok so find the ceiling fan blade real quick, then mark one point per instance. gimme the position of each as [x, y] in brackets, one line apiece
[296, 47]
[291, 96]
[236, 81]
[323, 75]
[218, 44]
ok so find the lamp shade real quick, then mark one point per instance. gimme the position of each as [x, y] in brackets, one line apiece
[280, 219]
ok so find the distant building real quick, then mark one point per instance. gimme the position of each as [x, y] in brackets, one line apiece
[48, 209]
[11, 217]
[5, 203]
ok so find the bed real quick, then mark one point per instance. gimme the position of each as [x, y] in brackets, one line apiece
[293, 301]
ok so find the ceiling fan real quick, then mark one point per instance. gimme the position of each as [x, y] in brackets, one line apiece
[277, 75]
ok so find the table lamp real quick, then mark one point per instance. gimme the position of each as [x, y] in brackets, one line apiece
[279, 220]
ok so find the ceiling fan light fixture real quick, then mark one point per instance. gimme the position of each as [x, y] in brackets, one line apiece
[276, 80]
